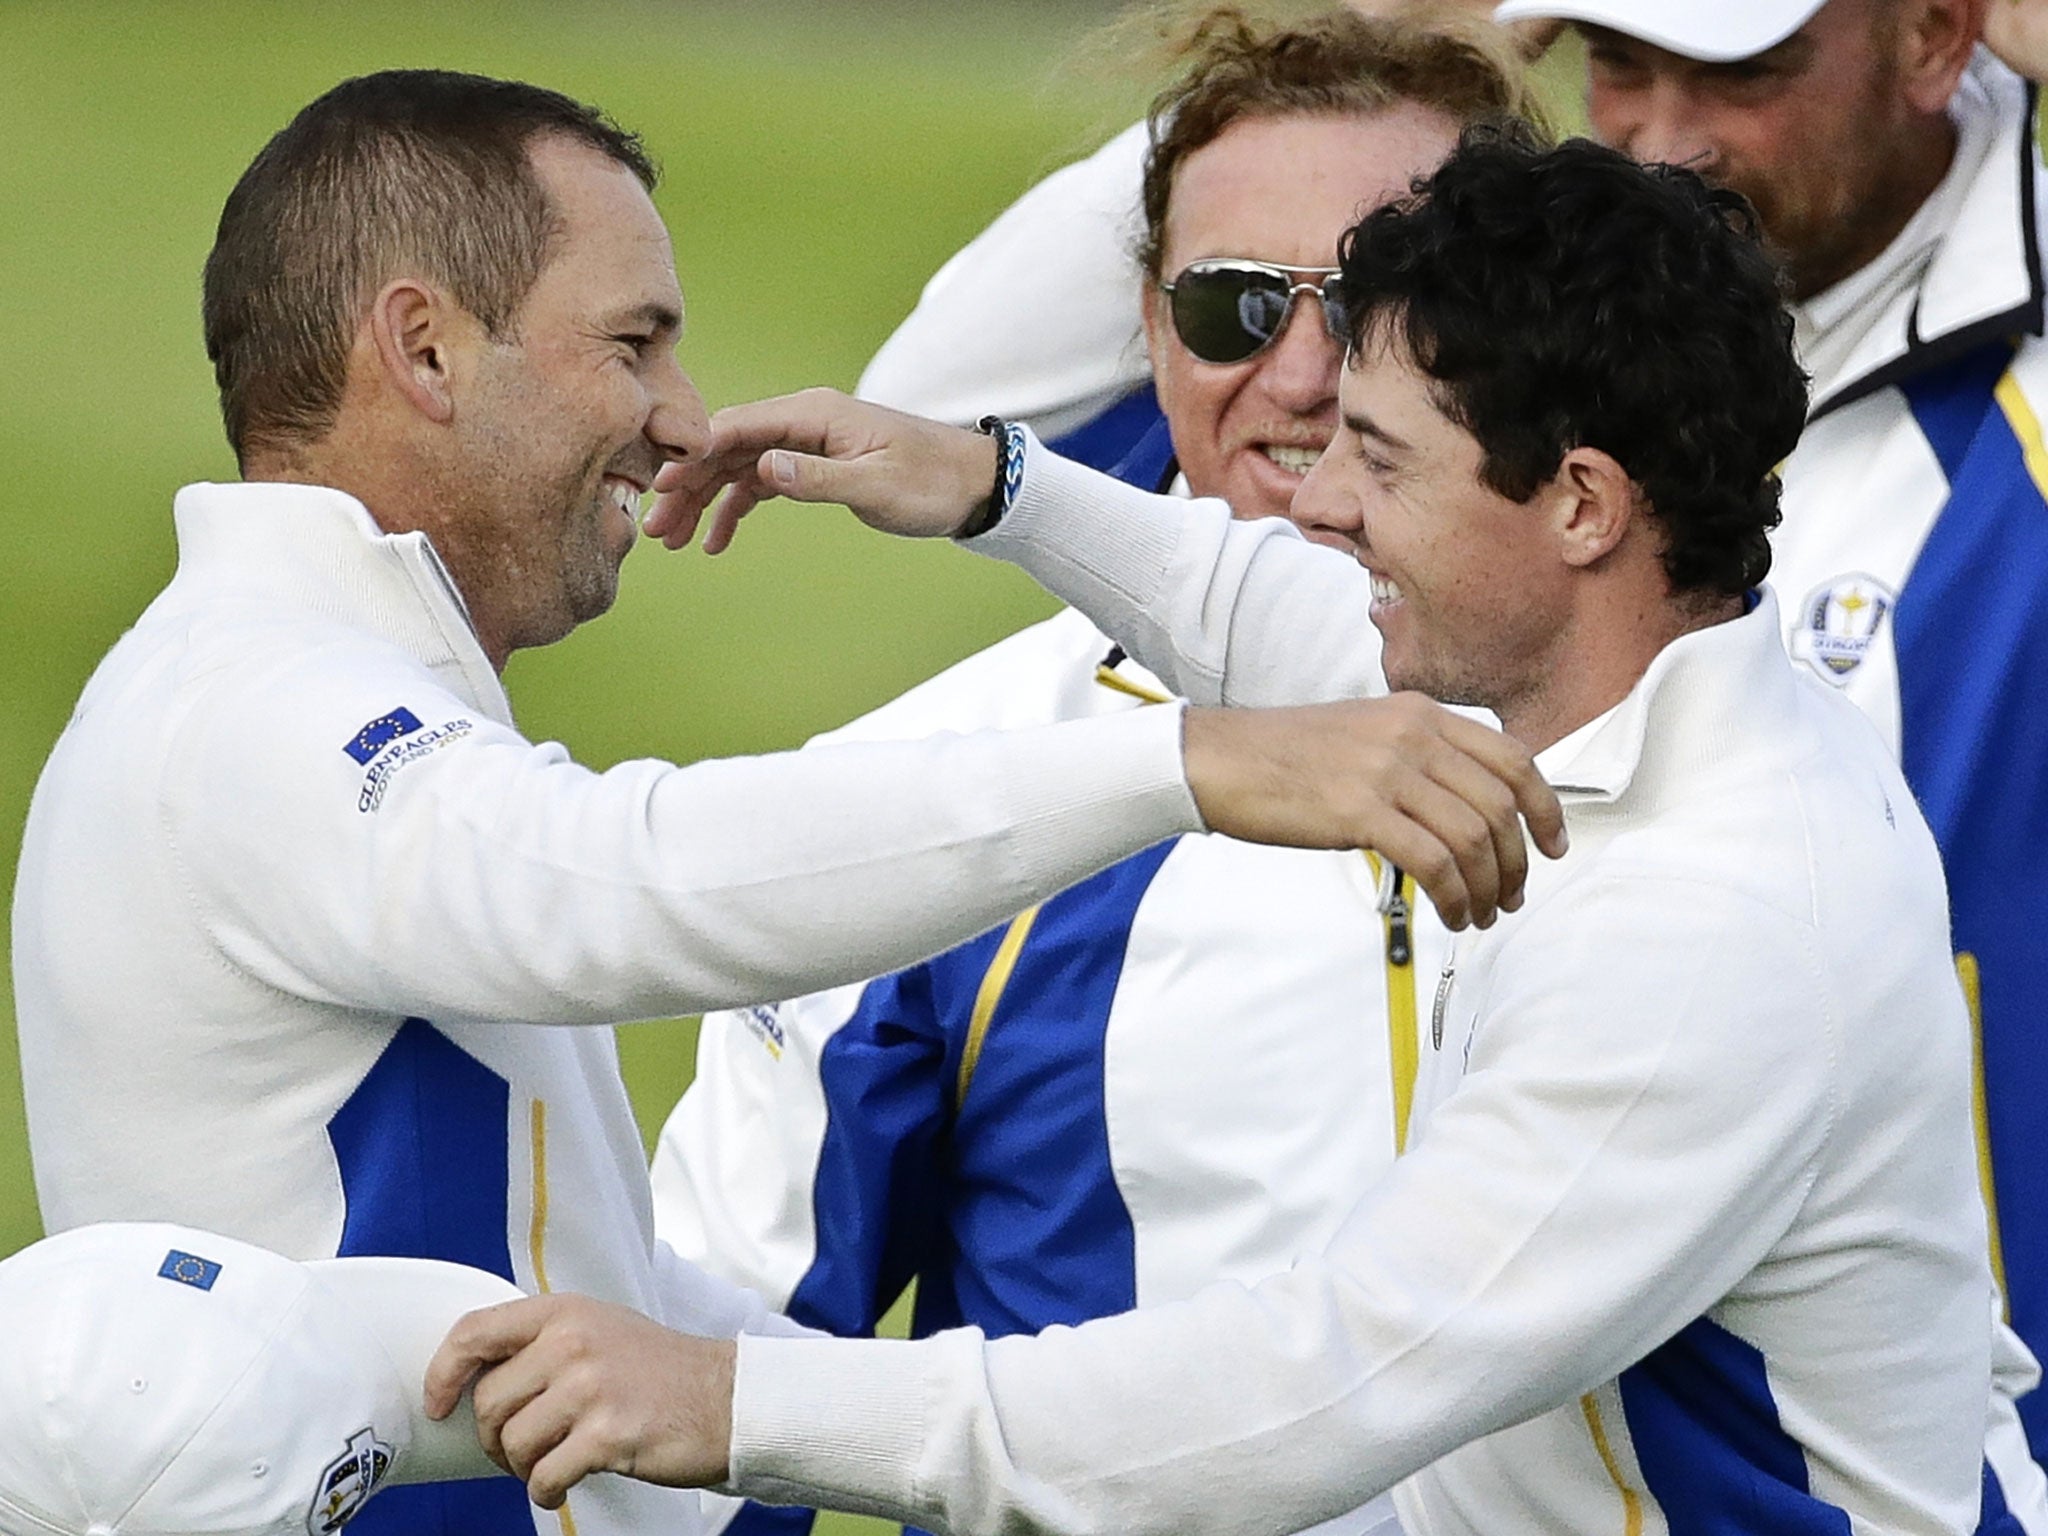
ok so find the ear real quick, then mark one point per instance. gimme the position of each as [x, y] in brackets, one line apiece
[412, 328]
[1594, 503]
[1934, 43]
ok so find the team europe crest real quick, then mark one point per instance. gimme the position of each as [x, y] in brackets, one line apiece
[349, 1480]
[1838, 623]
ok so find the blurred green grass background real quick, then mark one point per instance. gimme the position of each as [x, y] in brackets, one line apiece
[821, 161]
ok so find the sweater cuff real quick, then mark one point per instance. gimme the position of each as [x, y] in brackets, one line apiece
[1079, 532]
[837, 1423]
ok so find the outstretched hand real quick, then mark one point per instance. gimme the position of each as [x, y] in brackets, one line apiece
[1441, 795]
[565, 1386]
[901, 474]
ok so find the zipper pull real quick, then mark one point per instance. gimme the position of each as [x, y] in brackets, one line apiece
[1443, 996]
[1400, 945]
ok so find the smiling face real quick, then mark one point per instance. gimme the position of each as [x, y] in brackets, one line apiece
[566, 419]
[1469, 592]
[1822, 133]
[1280, 191]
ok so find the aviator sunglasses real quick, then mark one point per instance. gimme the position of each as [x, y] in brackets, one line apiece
[1226, 309]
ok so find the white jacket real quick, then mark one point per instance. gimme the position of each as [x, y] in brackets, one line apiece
[1692, 1226]
[297, 899]
[1911, 568]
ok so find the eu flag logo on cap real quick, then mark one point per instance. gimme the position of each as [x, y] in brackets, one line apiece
[189, 1269]
[380, 733]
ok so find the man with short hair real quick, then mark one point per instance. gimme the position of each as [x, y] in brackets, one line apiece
[1687, 1236]
[1189, 1066]
[297, 901]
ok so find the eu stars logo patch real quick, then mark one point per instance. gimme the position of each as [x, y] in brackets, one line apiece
[380, 733]
[189, 1269]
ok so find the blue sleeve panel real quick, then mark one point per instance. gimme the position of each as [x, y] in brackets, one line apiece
[1972, 643]
[1035, 1230]
[421, 1149]
[1129, 440]
[1712, 1451]
[1714, 1454]
[1002, 1206]
[876, 1197]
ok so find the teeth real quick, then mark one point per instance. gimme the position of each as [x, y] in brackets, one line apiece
[1297, 460]
[624, 497]
[1384, 590]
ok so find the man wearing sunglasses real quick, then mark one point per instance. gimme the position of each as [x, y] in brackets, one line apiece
[1182, 1069]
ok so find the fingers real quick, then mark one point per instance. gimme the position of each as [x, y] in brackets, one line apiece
[1510, 762]
[1482, 825]
[897, 473]
[1441, 795]
[478, 1340]
[1457, 865]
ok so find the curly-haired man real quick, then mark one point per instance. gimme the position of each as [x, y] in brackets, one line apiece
[1688, 1235]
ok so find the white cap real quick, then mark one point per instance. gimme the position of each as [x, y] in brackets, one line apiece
[1714, 31]
[161, 1380]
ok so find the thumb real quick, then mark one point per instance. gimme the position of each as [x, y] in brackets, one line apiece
[809, 476]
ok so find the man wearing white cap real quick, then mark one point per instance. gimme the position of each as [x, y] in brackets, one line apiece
[160, 1378]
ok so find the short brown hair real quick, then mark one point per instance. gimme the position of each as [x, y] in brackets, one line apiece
[1334, 63]
[419, 172]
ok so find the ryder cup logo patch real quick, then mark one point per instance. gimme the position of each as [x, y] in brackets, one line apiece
[347, 1482]
[1838, 623]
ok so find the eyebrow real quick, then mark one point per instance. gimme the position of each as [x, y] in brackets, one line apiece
[1365, 426]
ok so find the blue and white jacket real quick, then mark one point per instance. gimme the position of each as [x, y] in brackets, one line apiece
[314, 949]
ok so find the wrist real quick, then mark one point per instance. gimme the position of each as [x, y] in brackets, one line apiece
[1006, 475]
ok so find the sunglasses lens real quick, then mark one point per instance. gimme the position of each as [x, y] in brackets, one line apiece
[1225, 314]
[1337, 311]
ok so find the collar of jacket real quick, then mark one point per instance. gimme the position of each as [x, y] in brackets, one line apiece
[320, 552]
[1983, 280]
[1707, 698]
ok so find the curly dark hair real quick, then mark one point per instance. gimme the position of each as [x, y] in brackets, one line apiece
[1570, 297]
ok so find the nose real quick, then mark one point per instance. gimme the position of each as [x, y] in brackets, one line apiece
[1323, 512]
[1298, 369]
[677, 423]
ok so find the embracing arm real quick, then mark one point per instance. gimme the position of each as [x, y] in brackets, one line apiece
[1225, 612]
[1478, 1284]
[485, 877]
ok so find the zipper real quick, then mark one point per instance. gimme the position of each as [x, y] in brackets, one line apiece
[1397, 890]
